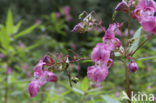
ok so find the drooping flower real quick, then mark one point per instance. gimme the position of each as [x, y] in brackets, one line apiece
[41, 76]
[79, 28]
[100, 52]
[50, 77]
[122, 6]
[97, 73]
[144, 12]
[133, 66]
[110, 32]
[48, 60]
[38, 69]
[34, 88]
[109, 37]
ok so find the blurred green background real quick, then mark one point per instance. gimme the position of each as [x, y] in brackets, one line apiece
[29, 29]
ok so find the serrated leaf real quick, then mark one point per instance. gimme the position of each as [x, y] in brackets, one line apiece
[4, 38]
[18, 25]
[9, 23]
[26, 31]
[85, 84]
[137, 40]
[109, 99]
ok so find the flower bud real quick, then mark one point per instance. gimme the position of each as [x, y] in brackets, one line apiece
[79, 28]
[133, 66]
[48, 60]
[122, 6]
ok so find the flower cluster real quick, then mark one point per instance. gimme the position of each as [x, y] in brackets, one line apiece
[101, 55]
[41, 76]
[144, 12]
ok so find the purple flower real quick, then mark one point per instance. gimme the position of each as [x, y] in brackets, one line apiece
[2, 55]
[97, 85]
[33, 88]
[9, 70]
[100, 52]
[21, 45]
[110, 63]
[50, 77]
[97, 73]
[58, 14]
[117, 93]
[79, 28]
[122, 6]
[48, 60]
[38, 21]
[110, 32]
[38, 69]
[109, 37]
[144, 12]
[29, 74]
[66, 10]
[133, 66]
[149, 87]
[41, 76]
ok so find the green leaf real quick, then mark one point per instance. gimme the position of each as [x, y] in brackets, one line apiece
[9, 23]
[109, 99]
[86, 61]
[16, 28]
[76, 90]
[26, 31]
[146, 58]
[137, 40]
[4, 38]
[85, 84]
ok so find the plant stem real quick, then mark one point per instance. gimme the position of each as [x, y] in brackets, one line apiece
[142, 44]
[69, 77]
[6, 86]
[128, 82]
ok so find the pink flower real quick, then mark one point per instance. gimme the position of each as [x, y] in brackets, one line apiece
[97, 73]
[100, 52]
[110, 32]
[48, 60]
[2, 55]
[149, 24]
[109, 63]
[9, 70]
[144, 12]
[79, 28]
[29, 74]
[142, 4]
[109, 37]
[58, 14]
[97, 85]
[33, 88]
[133, 66]
[41, 76]
[122, 6]
[38, 21]
[38, 69]
[50, 77]
[66, 10]
[21, 45]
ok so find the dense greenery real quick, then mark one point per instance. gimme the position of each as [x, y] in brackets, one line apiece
[30, 29]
